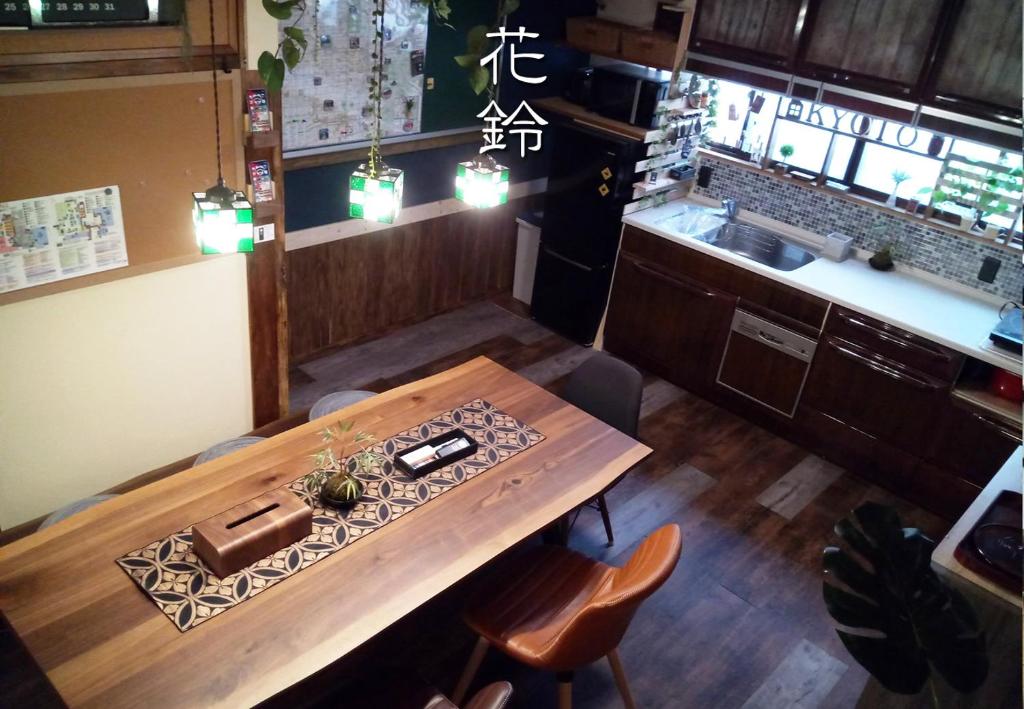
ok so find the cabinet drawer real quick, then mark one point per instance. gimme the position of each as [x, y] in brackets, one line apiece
[857, 451]
[589, 34]
[649, 48]
[875, 395]
[670, 325]
[759, 294]
[973, 444]
[945, 494]
[896, 344]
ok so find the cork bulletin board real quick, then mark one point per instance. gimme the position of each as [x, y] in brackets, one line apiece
[152, 136]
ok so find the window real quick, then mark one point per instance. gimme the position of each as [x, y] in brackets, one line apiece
[741, 117]
[879, 163]
[810, 145]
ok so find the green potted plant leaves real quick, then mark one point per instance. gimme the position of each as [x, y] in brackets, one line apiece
[898, 178]
[334, 478]
[786, 151]
[902, 623]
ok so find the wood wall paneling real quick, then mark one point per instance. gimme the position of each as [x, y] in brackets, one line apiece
[354, 288]
[268, 293]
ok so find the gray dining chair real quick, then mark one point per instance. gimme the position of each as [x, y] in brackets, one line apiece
[610, 390]
[224, 447]
[338, 400]
[73, 509]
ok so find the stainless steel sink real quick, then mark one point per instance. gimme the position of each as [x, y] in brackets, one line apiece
[760, 245]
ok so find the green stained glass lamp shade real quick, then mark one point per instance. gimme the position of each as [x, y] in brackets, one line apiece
[375, 199]
[481, 184]
[223, 226]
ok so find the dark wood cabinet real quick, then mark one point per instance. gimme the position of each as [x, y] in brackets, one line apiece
[875, 394]
[978, 65]
[762, 32]
[961, 55]
[882, 45]
[973, 444]
[877, 400]
[666, 322]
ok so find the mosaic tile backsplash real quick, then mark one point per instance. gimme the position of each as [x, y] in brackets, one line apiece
[920, 246]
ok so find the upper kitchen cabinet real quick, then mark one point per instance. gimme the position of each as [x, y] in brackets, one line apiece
[978, 64]
[876, 45]
[762, 32]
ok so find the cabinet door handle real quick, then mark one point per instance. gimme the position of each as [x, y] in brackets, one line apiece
[999, 427]
[569, 261]
[888, 337]
[685, 285]
[891, 372]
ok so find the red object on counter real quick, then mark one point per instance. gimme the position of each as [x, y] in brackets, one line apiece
[1006, 385]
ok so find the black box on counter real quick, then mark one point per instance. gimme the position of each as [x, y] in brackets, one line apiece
[435, 453]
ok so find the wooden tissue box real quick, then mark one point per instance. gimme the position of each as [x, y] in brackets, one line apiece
[250, 531]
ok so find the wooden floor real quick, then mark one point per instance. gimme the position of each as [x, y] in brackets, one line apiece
[741, 622]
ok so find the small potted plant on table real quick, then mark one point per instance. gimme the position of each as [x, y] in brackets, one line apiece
[335, 477]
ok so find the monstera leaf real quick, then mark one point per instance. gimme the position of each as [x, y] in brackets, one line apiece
[904, 621]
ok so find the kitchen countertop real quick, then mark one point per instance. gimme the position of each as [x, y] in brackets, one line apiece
[945, 313]
[1008, 478]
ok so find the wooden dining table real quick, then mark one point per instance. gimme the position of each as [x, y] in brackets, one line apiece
[103, 643]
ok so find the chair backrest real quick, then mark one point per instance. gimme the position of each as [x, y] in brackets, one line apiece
[602, 621]
[607, 389]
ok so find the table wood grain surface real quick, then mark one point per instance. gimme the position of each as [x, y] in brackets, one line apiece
[102, 642]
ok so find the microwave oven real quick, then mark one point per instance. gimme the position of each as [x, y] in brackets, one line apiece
[622, 92]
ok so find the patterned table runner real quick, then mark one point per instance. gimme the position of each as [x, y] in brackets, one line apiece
[189, 593]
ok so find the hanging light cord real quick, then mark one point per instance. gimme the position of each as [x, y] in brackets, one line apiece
[378, 46]
[216, 97]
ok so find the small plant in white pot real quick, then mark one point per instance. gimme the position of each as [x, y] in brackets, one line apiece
[786, 151]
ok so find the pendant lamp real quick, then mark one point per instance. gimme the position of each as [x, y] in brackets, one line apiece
[222, 216]
[374, 189]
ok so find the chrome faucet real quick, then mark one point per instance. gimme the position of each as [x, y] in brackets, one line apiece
[730, 208]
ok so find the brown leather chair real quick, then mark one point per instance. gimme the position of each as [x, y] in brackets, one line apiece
[493, 696]
[557, 610]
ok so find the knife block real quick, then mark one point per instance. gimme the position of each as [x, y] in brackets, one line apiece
[250, 531]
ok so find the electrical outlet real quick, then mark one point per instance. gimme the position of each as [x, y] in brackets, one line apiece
[989, 269]
[704, 176]
[264, 232]
[430, 83]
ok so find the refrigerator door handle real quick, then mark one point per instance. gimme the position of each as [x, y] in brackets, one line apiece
[569, 261]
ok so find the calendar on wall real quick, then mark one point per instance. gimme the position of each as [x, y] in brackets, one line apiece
[326, 99]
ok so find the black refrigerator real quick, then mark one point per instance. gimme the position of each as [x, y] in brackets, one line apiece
[590, 180]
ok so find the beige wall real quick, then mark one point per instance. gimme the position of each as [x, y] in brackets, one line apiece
[100, 384]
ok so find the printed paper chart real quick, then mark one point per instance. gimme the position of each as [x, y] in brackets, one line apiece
[46, 239]
[326, 99]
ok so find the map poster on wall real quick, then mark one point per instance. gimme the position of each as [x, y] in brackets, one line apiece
[46, 239]
[326, 99]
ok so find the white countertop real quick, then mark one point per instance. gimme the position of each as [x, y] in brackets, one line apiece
[1008, 478]
[938, 310]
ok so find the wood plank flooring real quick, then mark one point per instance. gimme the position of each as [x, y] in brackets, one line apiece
[739, 624]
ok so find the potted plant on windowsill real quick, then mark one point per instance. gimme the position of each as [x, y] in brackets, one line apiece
[898, 178]
[786, 151]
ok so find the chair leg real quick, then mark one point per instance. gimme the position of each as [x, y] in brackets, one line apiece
[602, 505]
[620, 678]
[565, 690]
[469, 672]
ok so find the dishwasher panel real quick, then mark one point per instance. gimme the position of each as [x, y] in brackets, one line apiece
[766, 363]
